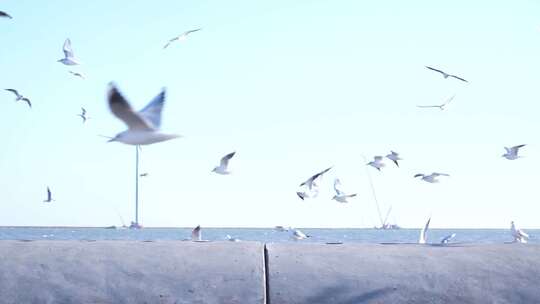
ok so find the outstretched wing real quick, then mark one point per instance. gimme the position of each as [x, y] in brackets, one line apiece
[225, 159]
[123, 111]
[152, 111]
[4, 14]
[170, 41]
[13, 91]
[27, 101]
[191, 31]
[456, 77]
[433, 69]
[514, 149]
[337, 185]
[68, 51]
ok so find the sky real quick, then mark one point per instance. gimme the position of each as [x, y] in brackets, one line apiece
[293, 87]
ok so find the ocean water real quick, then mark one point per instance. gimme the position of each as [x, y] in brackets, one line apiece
[266, 235]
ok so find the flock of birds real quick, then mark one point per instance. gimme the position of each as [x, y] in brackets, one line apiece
[144, 128]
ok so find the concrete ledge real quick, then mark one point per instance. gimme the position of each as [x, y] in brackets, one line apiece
[305, 273]
[131, 272]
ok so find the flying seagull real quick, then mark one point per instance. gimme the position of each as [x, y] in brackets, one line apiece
[145, 174]
[441, 106]
[143, 126]
[83, 115]
[196, 234]
[310, 182]
[512, 153]
[308, 193]
[519, 235]
[77, 74]
[229, 238]
[299, 235]
[224, 164]
[432, 178]
[19, 97]
[376, 163]
[446, 75]
[181, 37]
[423, 235]
[394, 156]
[49, 196]
[340, 195]
[69, 57]
[446, 239]
[6, 15]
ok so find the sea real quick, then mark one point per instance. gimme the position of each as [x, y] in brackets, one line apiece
[265, 235]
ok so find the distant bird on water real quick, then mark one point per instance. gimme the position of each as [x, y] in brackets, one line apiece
[432, 178]
[423, 233]
[394, 156]
[143, 126]
[519, 235]
[180, 37]
[340, 195]
[19, 97]
[83, 115]
[448, 238]
[446, 75]
[5, 15]
[224, 164]
[376, 163]
[310, 182]
[441, 106]
[77, 74]
[299, 235]
[49, 196]
[196, 234]
[69, 57]
[512, 153]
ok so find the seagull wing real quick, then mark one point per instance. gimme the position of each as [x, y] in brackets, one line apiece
[449, 100]
[152, 111]
[456, 77]
[191, 31]
[68, 51]
[83, 111]
[123, 111]
[337, 184]
[27, 101]
[4, 14]
[514, 149]
[423, 237]
[225, 159]
[433, 69]
[169, 42]
[522, 233]
[428, 106]
[435, 174]
[419, 175]
[49, 194]
[14, 92]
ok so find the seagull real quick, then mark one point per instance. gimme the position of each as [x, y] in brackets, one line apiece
[229, 238]
[446, 239]
[6, 15]
[310, 182]
[196, 234]
[19, 97]
[224, 163]
[77, 74]
[83, 115]
[441, 106]
[432, 178]
[394, 156]
[181, 37]
[69, 58]
[423, 236]
[376, 163]
[308, 193]
[49, 196]
[519, 235]
[282, 228]
[340, 195]
[299, 235]
[145, 174]
[143, 126]
[512, 153]
[445, 75]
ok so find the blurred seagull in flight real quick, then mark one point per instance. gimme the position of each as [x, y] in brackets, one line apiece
[196, 234]
[441, 106]
[5, 15]
[145, 174]
[299, 235]
[423, 233]
[181, 37]
[282, 228]
[310, 182]
[446, 75]
[394, 156]
[77, 74]
[20, 97]
[376, 163]
[224, 164]
[519, 235]
[340, 195]
[143, 126]
[512, 153]
[69, 57]
[308, 193]
[432, 178]
[448, 238]
[229, 238]
[49, 196]
[83, 115]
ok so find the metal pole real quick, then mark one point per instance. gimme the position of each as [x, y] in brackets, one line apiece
[137, 186]
[373, 192]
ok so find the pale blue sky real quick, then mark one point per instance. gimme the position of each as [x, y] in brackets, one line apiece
[293, 87]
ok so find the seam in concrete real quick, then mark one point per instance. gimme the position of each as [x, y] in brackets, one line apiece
[266, 276]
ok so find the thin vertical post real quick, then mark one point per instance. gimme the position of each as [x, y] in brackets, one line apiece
[137, 186]
[374, 194]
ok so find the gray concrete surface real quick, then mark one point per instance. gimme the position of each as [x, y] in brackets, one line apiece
[304, 273]
[131, 272]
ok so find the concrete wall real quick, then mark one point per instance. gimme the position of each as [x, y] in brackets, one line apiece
[227, 272]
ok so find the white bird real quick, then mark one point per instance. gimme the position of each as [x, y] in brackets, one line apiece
[394, 156]
[310, 182]
[423, 233]
[441, 106]
[299, 235]
[6, 15]
[49, 196]
[446, 75]
[512, 153]
[224, 164]
[196, 234]
[19, 97]
[83, 115]
[446, 239]
[519, 235]
[77, 74]
[229, 238]
[377, 163]
[340, 195]
[432, 178]
[143, 126]
[69, 57]
[181, 37]
[314, 192]
[282, 228]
